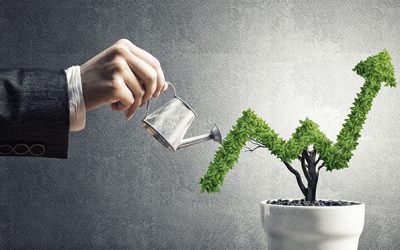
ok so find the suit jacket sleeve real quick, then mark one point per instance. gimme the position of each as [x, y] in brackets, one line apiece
[34, 113]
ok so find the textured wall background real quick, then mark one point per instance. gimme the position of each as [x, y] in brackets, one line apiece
[285, 59]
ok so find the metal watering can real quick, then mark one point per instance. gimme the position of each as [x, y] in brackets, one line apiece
[169, 124]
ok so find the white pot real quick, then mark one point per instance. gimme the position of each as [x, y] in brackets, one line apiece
[312, 228]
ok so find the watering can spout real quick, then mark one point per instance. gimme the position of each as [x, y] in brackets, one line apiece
[214, 134]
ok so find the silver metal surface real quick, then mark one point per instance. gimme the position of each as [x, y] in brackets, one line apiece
[169, 124]
[214, 134]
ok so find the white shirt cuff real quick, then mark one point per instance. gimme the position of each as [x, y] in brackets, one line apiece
[77, 108]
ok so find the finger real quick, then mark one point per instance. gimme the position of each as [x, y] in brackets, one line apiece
[165, 86]
[144, 72]
[160, 82]
[119, 106]
[135, 88]
[151, 60]
[124, 97]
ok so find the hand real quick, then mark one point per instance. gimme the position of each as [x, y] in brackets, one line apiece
[124, 75]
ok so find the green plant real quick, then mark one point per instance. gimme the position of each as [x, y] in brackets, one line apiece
[307, 144]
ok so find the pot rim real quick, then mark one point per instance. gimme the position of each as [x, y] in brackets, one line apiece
[360, 204]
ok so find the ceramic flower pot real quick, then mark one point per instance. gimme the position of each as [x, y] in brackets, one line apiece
[317, 228]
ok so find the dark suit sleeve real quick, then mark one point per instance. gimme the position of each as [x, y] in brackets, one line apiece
[34, 113]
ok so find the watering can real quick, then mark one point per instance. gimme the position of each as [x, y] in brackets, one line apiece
[169, 124]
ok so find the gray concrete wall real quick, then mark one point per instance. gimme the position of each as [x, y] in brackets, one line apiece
[285, 59]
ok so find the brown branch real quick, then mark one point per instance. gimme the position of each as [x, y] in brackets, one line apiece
[298, 178]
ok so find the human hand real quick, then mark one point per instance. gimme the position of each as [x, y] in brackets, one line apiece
[123, 75]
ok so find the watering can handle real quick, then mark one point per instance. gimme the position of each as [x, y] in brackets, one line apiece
[148, 102]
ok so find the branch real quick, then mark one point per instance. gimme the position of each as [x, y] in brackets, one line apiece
[248, 149]
[305, 170]
[298, 178]
[305, 156]
[255, 142]
[319, 158]
[310, 153]
[322, 165]
[317, 175]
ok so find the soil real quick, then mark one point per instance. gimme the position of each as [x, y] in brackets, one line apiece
[317, 203]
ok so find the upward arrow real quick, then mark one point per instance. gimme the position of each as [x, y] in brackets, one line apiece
[376, 70]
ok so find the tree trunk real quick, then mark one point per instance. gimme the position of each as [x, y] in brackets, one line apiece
[311, 172]
[309, 164]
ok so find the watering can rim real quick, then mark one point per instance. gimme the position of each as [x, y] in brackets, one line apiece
[186, 104]
[175, 96]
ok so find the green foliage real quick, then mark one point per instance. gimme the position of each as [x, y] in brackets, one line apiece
[375, 70]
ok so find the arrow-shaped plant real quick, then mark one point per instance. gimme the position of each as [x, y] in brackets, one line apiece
[307, 144]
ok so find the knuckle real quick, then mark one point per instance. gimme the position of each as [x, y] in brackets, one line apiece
[118, 50]
[120, 61]
[156, 63]
[151, 76]
[131, 101]
[123, 40]
[141, 93]
[118, 64]
[159, 87]
[115, 84]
